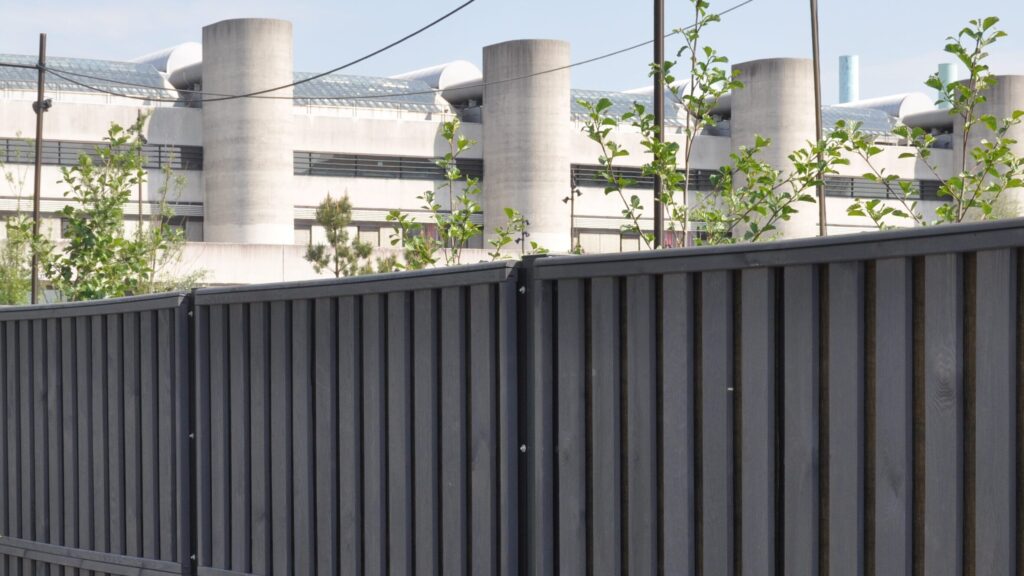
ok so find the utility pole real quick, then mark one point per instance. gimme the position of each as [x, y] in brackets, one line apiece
[41, 106]
[659, 109]
[822, 227]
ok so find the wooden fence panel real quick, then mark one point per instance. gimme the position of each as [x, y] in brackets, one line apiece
[355, 426]
[81, 391]
[847, 405]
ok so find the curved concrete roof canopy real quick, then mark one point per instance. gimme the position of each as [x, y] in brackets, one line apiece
[458, 81]
[173, 58]
[897, 105]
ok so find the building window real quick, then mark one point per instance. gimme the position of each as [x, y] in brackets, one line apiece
[370, 235]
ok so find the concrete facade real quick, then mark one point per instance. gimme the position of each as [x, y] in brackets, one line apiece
[265, 164]
[247, 142]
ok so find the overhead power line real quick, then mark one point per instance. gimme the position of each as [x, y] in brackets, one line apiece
[63, 74]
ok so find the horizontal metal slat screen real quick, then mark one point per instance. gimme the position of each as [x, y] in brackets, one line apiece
[67, 153]
[341, 165]
[94, 393]
[851, 187]
[590, 175]
[359, 425]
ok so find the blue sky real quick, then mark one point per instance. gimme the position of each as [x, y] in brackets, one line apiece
[899, 41]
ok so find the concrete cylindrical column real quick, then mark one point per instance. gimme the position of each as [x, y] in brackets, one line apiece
[777, 102]
[1000, 101]
[247, 142]
[526, 138]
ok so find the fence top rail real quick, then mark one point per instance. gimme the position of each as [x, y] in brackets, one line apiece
[850, 247]
[142, 303]
[468, 275]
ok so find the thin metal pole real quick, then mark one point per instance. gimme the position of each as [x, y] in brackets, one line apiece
[659, 109]
[822, 224]
[40, 110]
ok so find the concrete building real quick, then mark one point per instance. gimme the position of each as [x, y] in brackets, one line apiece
[255, 168]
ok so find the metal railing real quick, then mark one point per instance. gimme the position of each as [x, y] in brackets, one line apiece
[66, 153]
[370, 166]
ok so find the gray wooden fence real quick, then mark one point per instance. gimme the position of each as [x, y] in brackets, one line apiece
[361, 427]
[95, 420]
[846, 406]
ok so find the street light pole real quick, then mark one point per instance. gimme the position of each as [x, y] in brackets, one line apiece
[40, 106]
[659, 109]
[822, 226]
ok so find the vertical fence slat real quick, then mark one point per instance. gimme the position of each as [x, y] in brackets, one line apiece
[115, 436]
[893, 417]
[27, 524]
[996, 405]
[399, 423]
[572, 433]
[238, 444]
[25, 485]
[260, 420]
[40, 483]
[426, 434]
[220, 436]
[55, 437]
[280, 437]
[717, 421]
[800, 434]
[150, 447]
[943, 382]
[204, 431]
[846, 418]
[642, 424]
[508, 429]
[483, 426]
[69, 410]
[5, 441]
[132, 437]
[83, 433]
[100, 470]
[375, 435]
[13, 430]
[167, 449]
[540, 422]
[182, 334]
[606, 426]
[350, 426]
[454, 423]
[677, 446]
[303, 472]
[326, 394]
[757, 446]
